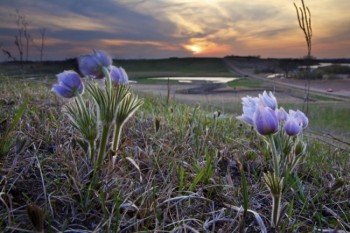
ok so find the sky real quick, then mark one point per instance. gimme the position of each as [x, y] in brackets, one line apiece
[133, 29]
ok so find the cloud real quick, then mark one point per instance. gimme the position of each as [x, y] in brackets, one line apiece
[218, 23]
[160, 28]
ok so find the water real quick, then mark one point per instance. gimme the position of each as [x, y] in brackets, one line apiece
[198, 79]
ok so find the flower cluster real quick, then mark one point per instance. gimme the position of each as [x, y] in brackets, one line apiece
[283, 129]
[104, 110]
[95, 65]
[263, 113]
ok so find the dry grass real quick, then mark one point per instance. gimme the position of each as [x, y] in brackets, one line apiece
[178, 169]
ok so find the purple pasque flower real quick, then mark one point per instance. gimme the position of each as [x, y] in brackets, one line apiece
[269, 100]
[303, 118]
[92, 64]
[249, 107]
[282, 114]
[69, 84]
[118, 75]
[265, 120]
[293, 125]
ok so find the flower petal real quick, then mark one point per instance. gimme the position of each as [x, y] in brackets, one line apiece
[269, 100]
[246, 119]
[69, 84]
[92, 64]
[103, 58]
[292, 126]
[303, 118]
[118, 75]
[265, 120]
[62, 91]
[282, 114]
[70, 79]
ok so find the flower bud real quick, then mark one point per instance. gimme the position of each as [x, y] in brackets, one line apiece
[265, 120]
[303, 118]
[92, 64]
[249, 107]
[292, 126]
[118, 75]
[69, 84]
[269, 100]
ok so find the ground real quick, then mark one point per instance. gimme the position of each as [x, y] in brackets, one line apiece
[202, 91]
[227, 99]
[219, 94]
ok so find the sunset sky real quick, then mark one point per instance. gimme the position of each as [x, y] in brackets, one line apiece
[177, 28]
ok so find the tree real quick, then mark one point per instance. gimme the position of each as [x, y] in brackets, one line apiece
[287, 65]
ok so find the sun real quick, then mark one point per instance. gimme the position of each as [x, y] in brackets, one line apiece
[194, 48]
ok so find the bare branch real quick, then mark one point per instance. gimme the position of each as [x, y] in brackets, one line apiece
[8, 54]
[304, 20]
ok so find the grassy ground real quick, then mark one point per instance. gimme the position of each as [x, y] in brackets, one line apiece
[331, 116]
[178, 169]
[138, 70]
[328, 115]
[200, 67]
[245, 83]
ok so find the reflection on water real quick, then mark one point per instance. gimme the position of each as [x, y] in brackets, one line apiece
[323, 64]
[198, 79]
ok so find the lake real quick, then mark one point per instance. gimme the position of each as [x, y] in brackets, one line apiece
[197, 79]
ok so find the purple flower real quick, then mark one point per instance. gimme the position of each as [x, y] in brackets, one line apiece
[282, 114]
[69, 84]
[292, 125]
[92, 64]
[296, 121]
[249, 107]
[303, 118]
[118, 75]
[269, 100]
[265, 120]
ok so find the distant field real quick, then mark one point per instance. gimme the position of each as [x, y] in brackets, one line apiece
[136, 69]
[245, 83]
[172, 67]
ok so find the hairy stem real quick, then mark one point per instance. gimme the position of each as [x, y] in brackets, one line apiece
[103, 145]
[92, 150]
[276, 209]
[101, 155]
[275, 158]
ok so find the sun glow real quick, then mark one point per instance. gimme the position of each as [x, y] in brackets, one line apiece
[195, 48]
[196, 45]
[205, 47]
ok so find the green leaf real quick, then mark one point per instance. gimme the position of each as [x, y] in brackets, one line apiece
[6, 139]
